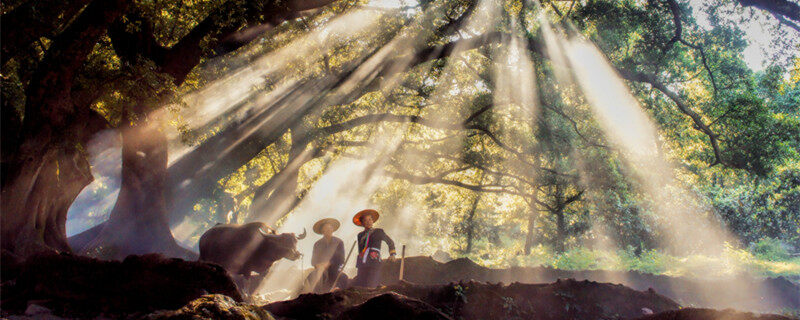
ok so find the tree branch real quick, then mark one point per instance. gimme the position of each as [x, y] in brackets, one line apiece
[573, 198]
[32, 20]
[179, 60]
[418, 179]
[574, 126]
[236, 145]
[682, 106]
[55, 75]
[779, 8]
[676, 17]
[787, 22]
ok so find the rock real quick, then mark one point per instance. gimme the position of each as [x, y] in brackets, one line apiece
[710, 314]
[393, 306]
[76, 286]
[33, 312]
[35, 309]
[213, 306]
[320, 306]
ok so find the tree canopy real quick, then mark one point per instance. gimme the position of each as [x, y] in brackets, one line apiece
[463, 113]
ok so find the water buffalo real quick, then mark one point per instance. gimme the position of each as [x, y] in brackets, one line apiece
[243, 249]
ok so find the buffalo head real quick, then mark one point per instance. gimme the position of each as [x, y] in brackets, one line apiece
[280, 246]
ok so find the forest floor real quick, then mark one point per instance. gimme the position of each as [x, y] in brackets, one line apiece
[564, 299]
[149, 286]
[743, 291]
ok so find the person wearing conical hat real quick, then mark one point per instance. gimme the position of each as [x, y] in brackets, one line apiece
[369, 249]
[327, 257]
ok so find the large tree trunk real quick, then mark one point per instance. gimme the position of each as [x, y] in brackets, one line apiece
[35, 203]
[40, 181]
[47, 170]
[138, 222]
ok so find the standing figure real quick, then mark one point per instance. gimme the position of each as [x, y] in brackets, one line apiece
[327, 258]
[369, 249]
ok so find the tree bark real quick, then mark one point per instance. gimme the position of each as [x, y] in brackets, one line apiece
[25, 24]
[784, 8]
[47, 169]
[34, 211]
[53, 128]
[138, 222]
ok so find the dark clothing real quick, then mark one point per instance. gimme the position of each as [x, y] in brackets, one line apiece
[369, 256]
[368, 276]
[369, 246]
[328, 251]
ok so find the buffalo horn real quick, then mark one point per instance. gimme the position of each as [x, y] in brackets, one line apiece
[302, 235]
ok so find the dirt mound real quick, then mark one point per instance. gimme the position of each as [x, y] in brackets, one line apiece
[213, 306]
[710, 314]
[745, 293]
[76, 286]
[565, 299]
[392, 306]
[321, 306]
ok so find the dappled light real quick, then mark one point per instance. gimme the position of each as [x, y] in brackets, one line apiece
[511, 141]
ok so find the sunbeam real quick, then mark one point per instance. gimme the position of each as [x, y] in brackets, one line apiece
[504, 134]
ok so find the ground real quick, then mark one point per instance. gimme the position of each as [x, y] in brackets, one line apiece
[564, 299]
[57, 286]
[79, 286]
[742, 292]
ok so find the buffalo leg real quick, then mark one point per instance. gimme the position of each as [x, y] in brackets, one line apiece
[253, 282]
[242, 283]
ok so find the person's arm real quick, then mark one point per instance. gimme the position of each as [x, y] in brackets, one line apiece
[389, 242]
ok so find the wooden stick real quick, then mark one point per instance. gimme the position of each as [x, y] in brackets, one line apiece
[402, 261]
[344, 264]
